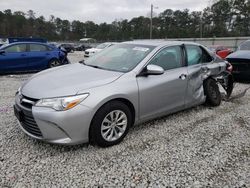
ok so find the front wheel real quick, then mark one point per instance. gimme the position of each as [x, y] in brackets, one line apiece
[54, 63]
[110, 124]
[212, 92]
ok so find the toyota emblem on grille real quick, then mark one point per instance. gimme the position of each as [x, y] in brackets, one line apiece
[21, 99]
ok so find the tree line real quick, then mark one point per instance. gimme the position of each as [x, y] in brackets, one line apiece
[224, 18]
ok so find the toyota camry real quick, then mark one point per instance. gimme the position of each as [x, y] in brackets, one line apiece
[98, 100]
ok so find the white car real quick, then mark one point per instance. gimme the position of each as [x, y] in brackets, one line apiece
[100, 47]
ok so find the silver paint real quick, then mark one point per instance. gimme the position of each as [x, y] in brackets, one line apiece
[150, 96]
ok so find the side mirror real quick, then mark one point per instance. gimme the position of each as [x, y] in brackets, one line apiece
[2, 52]
[152, 70]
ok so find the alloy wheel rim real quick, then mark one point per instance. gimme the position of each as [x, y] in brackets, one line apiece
[55, 63]
[114, 125]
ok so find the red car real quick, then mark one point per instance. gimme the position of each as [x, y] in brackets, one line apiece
[221, 51]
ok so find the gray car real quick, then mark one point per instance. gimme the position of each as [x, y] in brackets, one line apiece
[129, 83]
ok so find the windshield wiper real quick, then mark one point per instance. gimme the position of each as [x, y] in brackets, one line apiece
[94, 66]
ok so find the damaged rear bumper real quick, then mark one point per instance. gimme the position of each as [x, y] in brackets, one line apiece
[226, 80]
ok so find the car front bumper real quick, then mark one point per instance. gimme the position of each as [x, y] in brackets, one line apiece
[65, 127]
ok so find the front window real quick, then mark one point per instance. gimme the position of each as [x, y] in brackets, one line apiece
[245, 46]
[16, 48]
[169, 58]
[121, 57]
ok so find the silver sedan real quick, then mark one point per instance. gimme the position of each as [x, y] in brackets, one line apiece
[129, 83]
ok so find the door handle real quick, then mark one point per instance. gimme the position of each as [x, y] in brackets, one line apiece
[183, 76]
[23, 55]
[47, 54]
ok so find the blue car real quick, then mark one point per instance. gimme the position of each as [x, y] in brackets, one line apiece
[30, 57]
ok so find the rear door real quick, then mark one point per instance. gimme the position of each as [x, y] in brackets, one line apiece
[199, 67]
[162, 94]
[14, 59]
[39, 56]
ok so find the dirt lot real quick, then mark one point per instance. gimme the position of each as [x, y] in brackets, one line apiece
[198, 147]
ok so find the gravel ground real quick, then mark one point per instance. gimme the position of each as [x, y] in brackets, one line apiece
[199, 147]
[76, 56]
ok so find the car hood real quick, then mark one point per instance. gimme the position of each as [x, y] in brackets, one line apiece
[66, 80]
[241, 54]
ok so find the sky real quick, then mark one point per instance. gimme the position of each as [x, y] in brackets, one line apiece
[99, 11]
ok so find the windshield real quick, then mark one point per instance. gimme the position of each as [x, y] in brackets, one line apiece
[102, 46]
[121, 57]
[245, 46]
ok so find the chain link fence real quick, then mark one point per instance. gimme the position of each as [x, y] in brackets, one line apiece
[230, 42]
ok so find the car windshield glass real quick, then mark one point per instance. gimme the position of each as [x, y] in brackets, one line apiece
[245, 46]
[102, 46]
[121, 57]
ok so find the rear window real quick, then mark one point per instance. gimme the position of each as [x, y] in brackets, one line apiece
[38, 48]
[197, 55]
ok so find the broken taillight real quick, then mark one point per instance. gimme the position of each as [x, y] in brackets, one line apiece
[229, 67]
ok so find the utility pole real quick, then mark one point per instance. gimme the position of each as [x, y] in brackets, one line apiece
[151, 20]
[201, 26]
[85, 33]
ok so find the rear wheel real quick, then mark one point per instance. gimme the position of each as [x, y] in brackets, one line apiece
[110, 124]
[54, 63]
[212, 92]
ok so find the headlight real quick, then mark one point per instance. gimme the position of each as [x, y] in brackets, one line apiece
[63, 103]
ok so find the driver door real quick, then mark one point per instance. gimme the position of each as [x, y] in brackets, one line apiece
[163, 94]
[14, 59]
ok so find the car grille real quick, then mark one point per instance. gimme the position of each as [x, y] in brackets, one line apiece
[29, 124]
[27, 102]
[26, 117]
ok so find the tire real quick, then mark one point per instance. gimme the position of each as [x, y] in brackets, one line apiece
[212, 92]
[65, 61]
[103, 132]
[54, 63]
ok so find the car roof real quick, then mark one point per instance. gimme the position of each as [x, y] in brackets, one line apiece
[28, 43]
[40, 43]
[159, 42]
